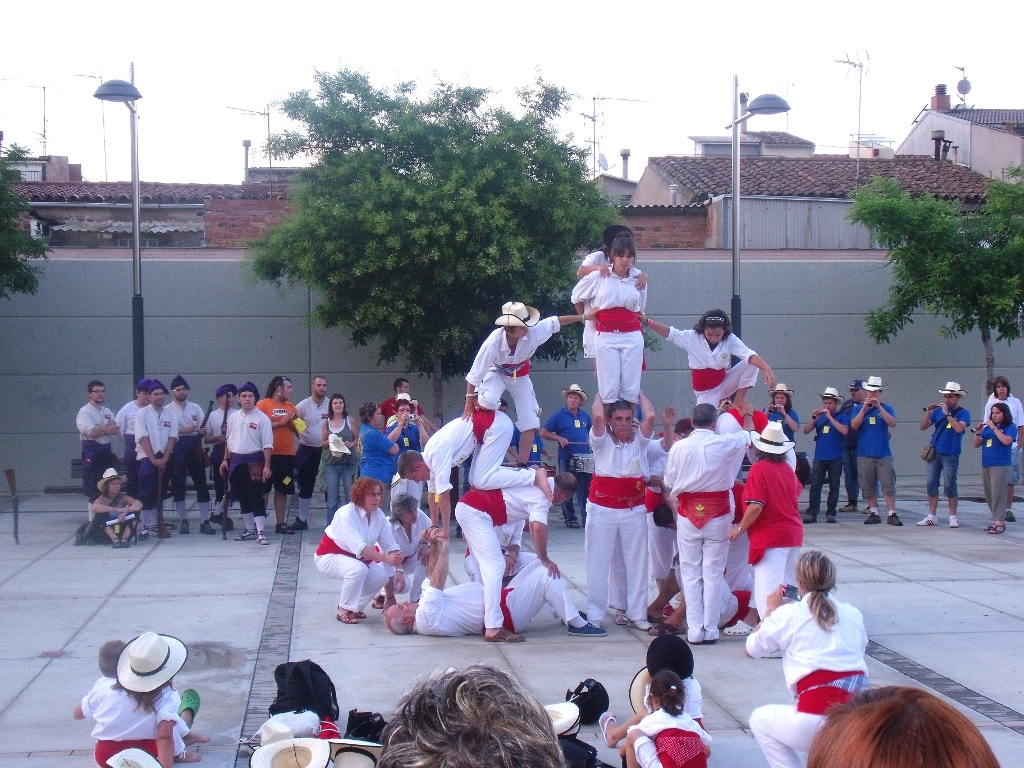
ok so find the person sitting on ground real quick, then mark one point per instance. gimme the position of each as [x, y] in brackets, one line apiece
[667, 729]
[897, 726]
[117, 512]
[477, 716]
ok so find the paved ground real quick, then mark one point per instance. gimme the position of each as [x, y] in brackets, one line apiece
[944, 609]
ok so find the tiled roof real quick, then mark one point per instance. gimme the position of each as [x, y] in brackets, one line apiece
[152, 192]
[779, 138]
[993, 118]
[820, 176]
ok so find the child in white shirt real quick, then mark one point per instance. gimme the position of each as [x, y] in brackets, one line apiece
[644, 748]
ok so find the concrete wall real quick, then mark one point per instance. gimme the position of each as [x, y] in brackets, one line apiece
[206, 321]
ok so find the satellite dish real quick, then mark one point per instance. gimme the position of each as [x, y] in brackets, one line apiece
[602, 161]
[963, 87]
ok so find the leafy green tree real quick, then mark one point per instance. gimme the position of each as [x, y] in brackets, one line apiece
[17, 246]
[420, 217]
[964, 265]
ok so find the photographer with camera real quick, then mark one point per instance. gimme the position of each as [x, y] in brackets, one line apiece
[403, 430]
[781, 409]
[950, 422]
[874, 419]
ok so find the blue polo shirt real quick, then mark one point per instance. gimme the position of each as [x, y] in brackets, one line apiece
[575, 429]
[376, 461]
[408, 439]
[777, 416]
[949, 441]
[873, 436]
[993, 452]
[828, 441]
[535, 458]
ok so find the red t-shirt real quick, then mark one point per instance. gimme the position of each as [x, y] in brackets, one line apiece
[774, 485]
[390, 407]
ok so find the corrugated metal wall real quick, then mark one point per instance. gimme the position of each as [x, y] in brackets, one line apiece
[792, 222]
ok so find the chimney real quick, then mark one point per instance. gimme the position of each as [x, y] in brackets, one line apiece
[940, 100]
[673, 194]
[624, 154]
[938, 137]
[246, 143]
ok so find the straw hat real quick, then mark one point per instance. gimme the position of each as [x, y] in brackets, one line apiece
[874, 384]
[953, 388]
[831, 393]
[781, 389]
[772, 439]
[109, 475]
[292, 753]
[515, 313]
[576, 389]
[664, 652]
[149, 661]
[565, 718]
[133, 758]
[353, 753]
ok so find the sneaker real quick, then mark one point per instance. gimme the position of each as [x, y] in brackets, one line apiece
[1010, 518]
[620, 618]
[873, 519]
[642, 624]
[953, 522]
[205, 527]
[246, 536]
[830, 518]
[893, 519]
[262, 539]
[284, 528]
[143, 533]
[300, 525]
[739, 629]
[183, 527]
[850, 507]
[809, 518]
[587, 630]
[930, 520]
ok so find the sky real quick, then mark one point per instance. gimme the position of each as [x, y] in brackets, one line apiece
[662, 71]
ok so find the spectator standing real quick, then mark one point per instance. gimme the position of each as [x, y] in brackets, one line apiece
[874, 419]
[277, 406]
[126, 425]
[857, 395]
[781, 409]
[340, 435]
[949, 421]
[376, 452]
[830, 428]
[403, 430]
[570, 427]
[95, 424]
[995, 438]
[313, 411]
[1001, 393]
[217, 436]
[156, 432]
[248, 456]
[188, 455]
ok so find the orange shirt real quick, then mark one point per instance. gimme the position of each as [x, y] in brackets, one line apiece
[284, 435]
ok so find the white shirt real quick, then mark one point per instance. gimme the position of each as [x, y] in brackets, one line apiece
[249, 432]
[693, 698]
[125, 418]
[216, 420]
[89, 417]
[495, 349]
[189, 414]
[454, 612]
[159, 426]
[410, 544]
[659, 721]
[527, 502]
[614, 459]
[1016, 411]
[314, 415]
[609, 292]
[116, 717]
[351, 531]
[805, 646]
[700, 355]
[451, 445]
[657, 457]
[705, 462]
[400, 485]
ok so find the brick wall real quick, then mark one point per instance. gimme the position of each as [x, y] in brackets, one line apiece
[667, 227]
[236, 223]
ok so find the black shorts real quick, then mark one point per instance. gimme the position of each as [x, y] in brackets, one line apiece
[282, 474]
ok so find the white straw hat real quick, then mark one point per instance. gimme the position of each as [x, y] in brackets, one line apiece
[565, 717]
[149, 661]
[832, 393]
[953, 388]
[292, 753]
[353, 753]
[576, 389]
[133, 758]
[874, 384]
[772, 439]
[515, 313]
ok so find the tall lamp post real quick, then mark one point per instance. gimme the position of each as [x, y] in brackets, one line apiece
[126, 93]
[767, 104]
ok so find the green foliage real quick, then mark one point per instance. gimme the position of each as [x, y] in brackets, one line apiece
[17, 246]
[421, 217]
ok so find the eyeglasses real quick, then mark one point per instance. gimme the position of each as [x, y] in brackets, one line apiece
[180, 389]
[96, 391]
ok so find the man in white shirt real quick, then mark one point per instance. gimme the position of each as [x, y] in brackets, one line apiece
[95, 424]
[313, 411]
[700, 472]
[125, 420]
[188, 461]
[250, 441]
[156, 432]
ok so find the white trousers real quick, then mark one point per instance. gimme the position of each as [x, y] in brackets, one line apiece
[778, 566]
[617, 580]
[606, 528]
[473, 568]
[702, 556]
[487, 474]
[741, 375]
[662, 544]
[482, 539]
[521, 390]
[532, 589]
[620, 357]
[739, 573]
[359, 582]
[781, 732]
[415, 575]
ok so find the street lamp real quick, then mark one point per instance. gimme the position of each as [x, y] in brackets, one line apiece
[767, 104]
[126, 93]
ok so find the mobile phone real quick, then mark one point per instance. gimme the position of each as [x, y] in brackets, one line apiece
[791, 591]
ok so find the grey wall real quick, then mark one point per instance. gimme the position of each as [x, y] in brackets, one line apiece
[206, 321]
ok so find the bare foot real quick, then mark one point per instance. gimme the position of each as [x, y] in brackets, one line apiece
[195, 738]
[188, 757]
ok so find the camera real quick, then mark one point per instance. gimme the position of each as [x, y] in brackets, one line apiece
[791, 591]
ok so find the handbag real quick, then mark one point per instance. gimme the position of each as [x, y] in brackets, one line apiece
[365, 726]
[928, 454]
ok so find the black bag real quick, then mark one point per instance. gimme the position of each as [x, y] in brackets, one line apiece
[577, 754]
[592, 699]
[803, 468]
[365, 726]
[303, 685]
[92, 532]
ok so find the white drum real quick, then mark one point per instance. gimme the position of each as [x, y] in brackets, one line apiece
[582, 462]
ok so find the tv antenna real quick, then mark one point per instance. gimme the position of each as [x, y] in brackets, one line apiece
[964, 86]
[859, 66]
[43, 134]
[103, 117]
[270, 160]
[592, 117]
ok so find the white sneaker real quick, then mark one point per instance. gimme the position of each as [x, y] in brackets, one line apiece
[642, 624]
[930, 520]
[953, 522]
[739, 629]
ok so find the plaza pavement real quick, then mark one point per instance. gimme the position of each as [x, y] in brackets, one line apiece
[944, 609]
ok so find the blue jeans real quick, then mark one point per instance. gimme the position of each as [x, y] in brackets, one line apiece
[338, 481]
[832, 469]
[582, 492]
[947, 466]
[850, 473]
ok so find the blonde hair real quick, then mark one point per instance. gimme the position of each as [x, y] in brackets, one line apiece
[817, 575]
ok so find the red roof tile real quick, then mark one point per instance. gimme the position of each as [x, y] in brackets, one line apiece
[820, 176]
[152, 192]
[779, 138]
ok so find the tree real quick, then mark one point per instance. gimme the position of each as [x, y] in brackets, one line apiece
[420, 217]
[17, 246]
[966, 265]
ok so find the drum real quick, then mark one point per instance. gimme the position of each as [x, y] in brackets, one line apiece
[582, 462]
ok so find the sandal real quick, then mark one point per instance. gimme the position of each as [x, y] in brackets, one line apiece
[348, 617]
[996, 528]
[189, 700]
[664, 629]
[572, 524]
[359, 614]
[605, 723]
[504, 636]
[378, 602]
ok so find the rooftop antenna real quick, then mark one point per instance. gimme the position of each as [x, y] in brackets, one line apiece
[963, 87]
[592, 117]
[43, 134]
[859, 66]
[103, 117]
[270, 160]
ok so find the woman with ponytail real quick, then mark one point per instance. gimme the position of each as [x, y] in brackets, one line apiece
[822, 643]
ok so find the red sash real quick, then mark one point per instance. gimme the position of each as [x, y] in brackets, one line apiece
[680, 749]
[617, 319]
[652, 500]
[329, 546]
[703, 507]
[742, 607]
[513, 369]
[491, 503]
[506, 614]
[617, 492]
[815, 695]
[707, 378]
[482, 421]
[737, 497]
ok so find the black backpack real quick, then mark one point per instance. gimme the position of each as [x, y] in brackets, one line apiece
[592, 699]
[303, 685]
[577, 754]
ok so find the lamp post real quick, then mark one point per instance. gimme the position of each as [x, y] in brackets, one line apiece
[767, 104]
[126, 93]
